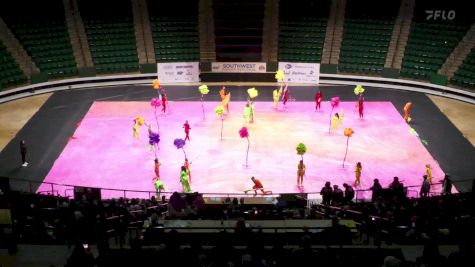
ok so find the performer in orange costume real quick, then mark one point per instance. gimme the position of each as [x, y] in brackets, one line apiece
[407, 108]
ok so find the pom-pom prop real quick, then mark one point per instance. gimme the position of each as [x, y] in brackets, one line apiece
[219, 111]
[279, 75]
[252, 92]
[179, 144]
[359, 90]
[203, 91]
[244, 133]
[301, 149]
[348, 132]
[334, 102]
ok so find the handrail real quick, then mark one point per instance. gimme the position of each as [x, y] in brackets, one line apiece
[30, 182]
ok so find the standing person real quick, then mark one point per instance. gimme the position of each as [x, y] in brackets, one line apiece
[247, 113]
[184, 179]
[337, 195]
[187, 166]
[23, 153]
[429, 173]
[446, 185]
[187, 128]
[425, 188]
[407, 109]
[318, 99]
[300, 172]
[376, 189]
[358, 170]
[361, 105]
[276, 94]
[157, 167]
[326, 194]
[164, 102]
[349, 193]
[286, 95]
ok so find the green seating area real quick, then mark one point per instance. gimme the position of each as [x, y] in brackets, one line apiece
[365, 45]
[465, 74]
[302, 40]
[49, 46]
[10, 72]
[175, 38]
[112, 44]
[428, 47]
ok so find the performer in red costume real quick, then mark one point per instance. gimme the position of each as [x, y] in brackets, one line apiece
[164, 102]
[318, 99]
[361, 105]
[187, 128]
[286, 94]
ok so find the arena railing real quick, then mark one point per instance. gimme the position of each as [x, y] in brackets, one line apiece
[146, 79]
[31, 186]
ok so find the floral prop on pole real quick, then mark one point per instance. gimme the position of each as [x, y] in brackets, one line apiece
[279, 75]
[359, 90]
[244, 133]
[153, 139]
[219, 111]
[203, 91]
[301, 149]
[155, 103]
[156, 84]
[180, 143]
[348, 132]
[334, 102]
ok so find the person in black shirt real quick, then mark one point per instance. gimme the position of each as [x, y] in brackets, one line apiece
[23, 153]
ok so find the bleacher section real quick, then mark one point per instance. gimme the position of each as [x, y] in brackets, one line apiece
[174, 30]
[432, 39]
[465, 74]
[301, 37]
[44, 35]
[111, 36]
[49, 46]
[367, 32]
[10, 73]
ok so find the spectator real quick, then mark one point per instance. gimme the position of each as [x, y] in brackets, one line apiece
[431, 256]
[175, 205]
[349, 193]
[376, 189]
[326, 194]
[337, 197]
[425, 187]
[337, 234]
[397, 188]
[391, 261]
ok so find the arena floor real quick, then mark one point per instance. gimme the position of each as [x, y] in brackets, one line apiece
[103, 140]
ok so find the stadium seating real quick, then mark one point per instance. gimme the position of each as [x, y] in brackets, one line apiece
[429, 45]
[174, 30]
[10, 73]
[465, 74]
[366, 36]
[49, 46]
[301, 38]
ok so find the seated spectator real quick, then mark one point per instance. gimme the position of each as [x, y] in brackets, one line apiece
[326, 194]
[349, 193]
[176, 205]
[337, 234]
[431, 256]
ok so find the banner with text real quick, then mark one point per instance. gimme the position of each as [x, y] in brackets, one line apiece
[178, 72]
[300, 72]
[243, 67]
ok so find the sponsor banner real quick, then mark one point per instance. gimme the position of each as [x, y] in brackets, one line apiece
[300, 72]
[242, 67]
[178, 72]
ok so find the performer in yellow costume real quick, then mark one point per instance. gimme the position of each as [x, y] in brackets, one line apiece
[429, 174]
[139, 121]
[276, 95]
[358, 171]
[300, 172]
[247, 113]
[184, 179]
[337, 120]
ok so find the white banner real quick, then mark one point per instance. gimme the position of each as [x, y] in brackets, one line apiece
[300, 72]
[243, 67]
[178, 72]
